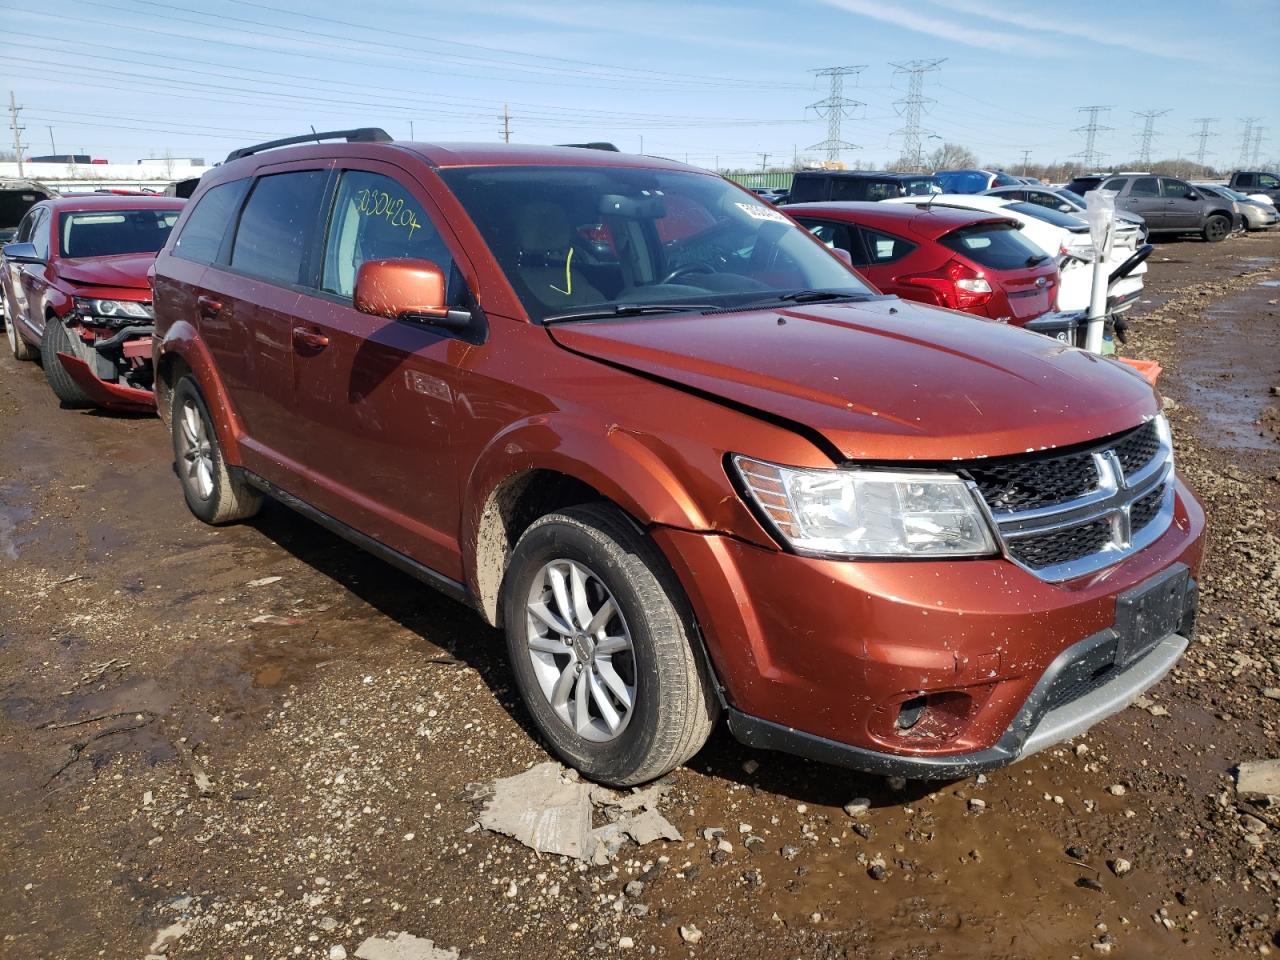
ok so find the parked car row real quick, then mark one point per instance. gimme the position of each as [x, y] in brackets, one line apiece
[666, 439]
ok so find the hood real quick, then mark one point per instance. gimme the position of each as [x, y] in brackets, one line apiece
[886, 379]
[123, 270]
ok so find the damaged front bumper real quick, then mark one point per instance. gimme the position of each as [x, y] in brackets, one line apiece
[110, 396]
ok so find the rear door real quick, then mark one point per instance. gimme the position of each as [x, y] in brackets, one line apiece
[246, 316]
[376, 399]
[14, 271]
[1144, 198]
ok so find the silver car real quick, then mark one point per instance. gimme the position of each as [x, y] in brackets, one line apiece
[1257, 215]
[1061, 199]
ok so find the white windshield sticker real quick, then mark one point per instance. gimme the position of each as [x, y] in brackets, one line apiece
[758, 212]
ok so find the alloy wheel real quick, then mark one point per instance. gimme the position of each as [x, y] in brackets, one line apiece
[581, 650]
[197, 451]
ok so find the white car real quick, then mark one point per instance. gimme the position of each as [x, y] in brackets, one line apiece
[1061, 235]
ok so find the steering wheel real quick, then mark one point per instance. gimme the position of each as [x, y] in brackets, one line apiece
[698, 266]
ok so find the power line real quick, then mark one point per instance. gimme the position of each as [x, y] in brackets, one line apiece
[1202, 150]
[1246, 142]
[1148, 133]
[911, 107]
[1090, 156]
[836, 107]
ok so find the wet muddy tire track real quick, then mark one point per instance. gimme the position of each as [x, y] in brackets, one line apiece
[272, 735]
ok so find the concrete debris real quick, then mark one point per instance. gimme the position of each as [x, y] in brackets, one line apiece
[264, 581]
[166, 938]
[542, 810]
[690, 934]
[405, 946]
[1259, 778]
[548, 809]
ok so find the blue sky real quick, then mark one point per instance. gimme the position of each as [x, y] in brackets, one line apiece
[710, 81]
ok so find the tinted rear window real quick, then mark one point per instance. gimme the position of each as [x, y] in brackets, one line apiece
[278, 224]
[921, 187]
[964, 181]
[201, 236]
[1068, 221]
[997, 246]
[807, 189]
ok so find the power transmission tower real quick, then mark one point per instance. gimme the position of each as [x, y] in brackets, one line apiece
[14, 110]
[1148, 132]
[1090, 156]
[911, 108]
[1257, 144]
[835, 108]
[1202, 150]
[1246, 142]
[506, 124]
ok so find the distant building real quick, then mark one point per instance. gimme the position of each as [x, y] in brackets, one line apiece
[172, 162]
[63, 158]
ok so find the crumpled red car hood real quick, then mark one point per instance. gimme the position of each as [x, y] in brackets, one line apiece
[884, 379]
[127, 270]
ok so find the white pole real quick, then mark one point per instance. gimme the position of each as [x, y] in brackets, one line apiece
[1098, 294]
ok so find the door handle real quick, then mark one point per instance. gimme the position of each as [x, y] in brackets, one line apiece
[311, 339]
[208, 306]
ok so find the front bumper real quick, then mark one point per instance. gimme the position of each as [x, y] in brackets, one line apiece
[109, 396]
[818, 657]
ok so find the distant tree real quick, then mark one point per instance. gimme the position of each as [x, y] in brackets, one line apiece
[7, 156]
[951, 156]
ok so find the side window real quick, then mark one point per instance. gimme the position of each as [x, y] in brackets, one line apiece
[884, 247]
[278, 225]
[375, 218]
[1248, 180]
[40, 233]
[203, 233]
[807, 188]
[1145, 187]
[24, 228]
[1043, 198]
[844, 188]
[1268, 182]
[837, 236]
[1175, 188]
[882, 189]
[1116, 185]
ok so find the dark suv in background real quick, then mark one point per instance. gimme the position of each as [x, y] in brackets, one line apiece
[1172, 206]
[818, 186]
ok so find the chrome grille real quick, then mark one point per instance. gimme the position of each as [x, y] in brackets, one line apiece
[1072, 514]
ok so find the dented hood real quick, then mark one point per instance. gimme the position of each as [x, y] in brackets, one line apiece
[883, 380]
[127, 270]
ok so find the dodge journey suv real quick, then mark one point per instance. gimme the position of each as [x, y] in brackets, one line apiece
[678, 451]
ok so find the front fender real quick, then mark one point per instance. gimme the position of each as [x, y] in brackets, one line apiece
[181, 342]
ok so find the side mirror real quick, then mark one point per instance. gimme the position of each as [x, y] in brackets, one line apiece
[411, 290]
[844, 255]
[1193, 195]
[1065, 208]
[22, 253]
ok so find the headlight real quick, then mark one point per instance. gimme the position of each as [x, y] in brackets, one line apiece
[868, 513]
[114, 309]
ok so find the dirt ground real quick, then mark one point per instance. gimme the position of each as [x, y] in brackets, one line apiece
[283, 767]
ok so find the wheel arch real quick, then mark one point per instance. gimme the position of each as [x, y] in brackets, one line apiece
[179, 352]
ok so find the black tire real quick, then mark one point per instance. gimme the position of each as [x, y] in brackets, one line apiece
[19, 347]
[673, 706]
[225, 498]
[58, 339]
[1217, 228]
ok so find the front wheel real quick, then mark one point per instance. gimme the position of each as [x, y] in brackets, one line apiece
[213, 493]
[1217, 228]
[600, 643]
[58, 339]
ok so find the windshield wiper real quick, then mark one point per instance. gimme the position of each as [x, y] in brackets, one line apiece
[1036, 258]
[805, 296]
[626, 310]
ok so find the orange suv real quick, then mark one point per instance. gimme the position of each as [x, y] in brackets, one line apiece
[678, 451]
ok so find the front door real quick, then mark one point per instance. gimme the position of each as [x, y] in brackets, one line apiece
[376, 399]
[1145, 200]
[1181, 210]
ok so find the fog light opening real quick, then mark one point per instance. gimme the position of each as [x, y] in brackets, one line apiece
[910, 712]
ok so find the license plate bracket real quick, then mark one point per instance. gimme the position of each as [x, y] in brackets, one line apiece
[1149, 612]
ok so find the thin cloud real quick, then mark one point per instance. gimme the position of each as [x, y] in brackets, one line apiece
[1126, 40]
[946, 29]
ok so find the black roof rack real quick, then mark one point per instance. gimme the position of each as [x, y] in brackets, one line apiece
[358, 135]
[597, 145]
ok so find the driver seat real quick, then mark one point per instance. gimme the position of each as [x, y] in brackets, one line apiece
[545, 257]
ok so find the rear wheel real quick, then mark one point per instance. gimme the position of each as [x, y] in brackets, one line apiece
[19, 347]
[1217, 228]
[600, 643]
[58, 339]
[213, 493]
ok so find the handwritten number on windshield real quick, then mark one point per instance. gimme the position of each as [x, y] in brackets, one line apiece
[379, 203]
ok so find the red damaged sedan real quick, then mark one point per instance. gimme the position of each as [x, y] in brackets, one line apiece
[960, 259]
[76, 292]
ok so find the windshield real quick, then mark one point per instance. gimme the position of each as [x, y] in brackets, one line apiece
[1068, 221]
[617, 239]
[922, 187]
[1074, 199]
[106, 233]
[1228, 193]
